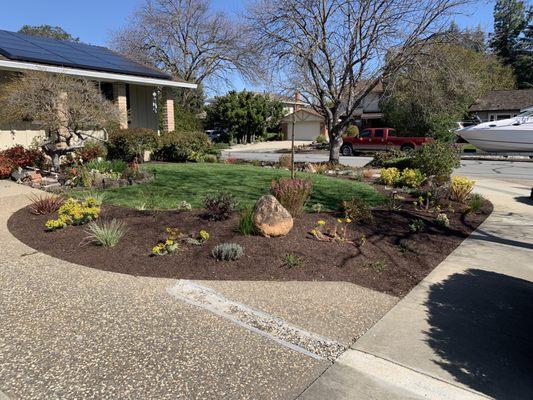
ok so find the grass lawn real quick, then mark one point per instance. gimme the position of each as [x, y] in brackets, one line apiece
[190, 182]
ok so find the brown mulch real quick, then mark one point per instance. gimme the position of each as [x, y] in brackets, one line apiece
[404, 258]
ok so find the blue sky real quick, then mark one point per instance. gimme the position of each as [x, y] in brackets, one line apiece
[93, 21]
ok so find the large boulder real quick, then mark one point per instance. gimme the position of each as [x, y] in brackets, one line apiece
[271, 218]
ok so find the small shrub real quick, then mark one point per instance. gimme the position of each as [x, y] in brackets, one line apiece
[321, 139]
[460, 188]
[292, 193]
[357, 210]
[352, 131]
[45, 204]
[130, 144]
[404, 248]
[19, 156]
[381, 157]
[91, 150]
[227, 252]
[181, 146]
[475, 203]
[6, 167]
[184, 206]
[209, 158]
[412, 178]
[436, 158]
[74, 212]
[417, 225]
[389, 176]
[442, 220]
[105, 233]
[375, 265]
[246, 225]
[317, 207]
[219, 206]
[285, 161]
[291, 260]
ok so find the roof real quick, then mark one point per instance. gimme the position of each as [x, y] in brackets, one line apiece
[503, 100]
[61, 53]
[309, 111]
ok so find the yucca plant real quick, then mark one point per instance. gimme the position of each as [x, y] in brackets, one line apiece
[105, 233]
[45, 204]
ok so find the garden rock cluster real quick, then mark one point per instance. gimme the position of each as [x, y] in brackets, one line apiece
[270, 218]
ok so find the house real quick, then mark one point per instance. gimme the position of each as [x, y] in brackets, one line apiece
[501, 104]
[132, 86]
[308, 125]
[369, 114]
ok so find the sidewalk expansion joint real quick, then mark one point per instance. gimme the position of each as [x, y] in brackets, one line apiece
[267, 325]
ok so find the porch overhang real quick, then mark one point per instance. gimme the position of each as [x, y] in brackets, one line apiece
[19, 66]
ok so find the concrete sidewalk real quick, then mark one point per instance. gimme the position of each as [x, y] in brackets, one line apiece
[465, 331]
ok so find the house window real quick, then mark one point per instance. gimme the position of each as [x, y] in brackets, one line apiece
[106, 88]
[498, 117]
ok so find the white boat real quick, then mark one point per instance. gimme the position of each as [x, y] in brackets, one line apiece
[506, 135]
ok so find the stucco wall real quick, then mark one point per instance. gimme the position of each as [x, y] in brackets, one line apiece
[20, 137]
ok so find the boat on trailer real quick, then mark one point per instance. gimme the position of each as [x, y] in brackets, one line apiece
[506, 135]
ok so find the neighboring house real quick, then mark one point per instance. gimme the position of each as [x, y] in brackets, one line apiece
[132, 86]
[502, 104]
[369, 115]
[290, 104]
[308, 125]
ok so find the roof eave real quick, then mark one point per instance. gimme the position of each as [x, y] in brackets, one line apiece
[94, 75]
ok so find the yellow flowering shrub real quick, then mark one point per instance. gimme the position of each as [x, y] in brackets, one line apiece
[389, 176]
[203, 235]
[460, 188]
[412, 178]
[74, 212]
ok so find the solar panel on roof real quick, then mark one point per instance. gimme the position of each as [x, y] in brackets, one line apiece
[17, 46]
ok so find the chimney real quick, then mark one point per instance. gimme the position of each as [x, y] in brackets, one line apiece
[296, 100]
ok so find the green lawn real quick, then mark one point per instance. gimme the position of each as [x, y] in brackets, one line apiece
[190, 182]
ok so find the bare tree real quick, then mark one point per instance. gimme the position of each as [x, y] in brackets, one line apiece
[68, 109]
[189, 40]
[336, 51]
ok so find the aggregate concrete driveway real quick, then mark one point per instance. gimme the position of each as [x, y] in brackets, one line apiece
[67, 331]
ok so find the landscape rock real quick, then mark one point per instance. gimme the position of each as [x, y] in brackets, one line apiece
[270, 218]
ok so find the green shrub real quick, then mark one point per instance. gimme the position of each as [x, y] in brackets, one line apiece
[352, 131]
[436, 158]
[383, 156]
[442, 220]
[475, 203]
[107, 166]
[399, 163]
[291, 260]
[412, 178]
[91, 150]
[129, 144]
[219, 206]
[417, 225]
[209, 158]
[183, 146]
[357, 210]
[246, 225]
[105, 233]
[227, 252]
[389, 176]
[321, 139]
[292, 193]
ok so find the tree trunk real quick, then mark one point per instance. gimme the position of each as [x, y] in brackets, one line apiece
[335, 143]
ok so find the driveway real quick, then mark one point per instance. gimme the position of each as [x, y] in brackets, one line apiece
[67, 331]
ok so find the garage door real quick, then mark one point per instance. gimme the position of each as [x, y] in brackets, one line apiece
[306, 130]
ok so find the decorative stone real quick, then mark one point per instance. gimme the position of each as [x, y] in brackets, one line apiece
[35, 177]
[270, 218]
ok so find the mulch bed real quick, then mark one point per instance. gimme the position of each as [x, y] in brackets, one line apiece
[406, 257]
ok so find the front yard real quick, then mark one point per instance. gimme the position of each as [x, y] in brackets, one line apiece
[191, 182]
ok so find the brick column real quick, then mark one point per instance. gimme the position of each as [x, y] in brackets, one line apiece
[119, 94]
[168, 110]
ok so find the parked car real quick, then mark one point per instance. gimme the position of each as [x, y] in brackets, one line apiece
[378, 139]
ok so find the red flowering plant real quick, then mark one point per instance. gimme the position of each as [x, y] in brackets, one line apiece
[292, 193]
[21, 157]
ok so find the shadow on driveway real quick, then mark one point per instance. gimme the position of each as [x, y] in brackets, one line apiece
[481, 327]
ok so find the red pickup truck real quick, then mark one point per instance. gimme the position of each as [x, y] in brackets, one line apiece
[376, 139]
